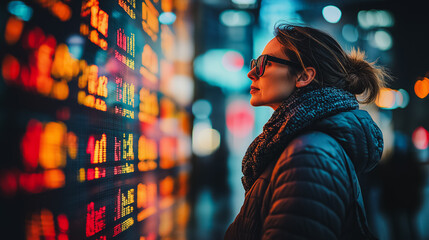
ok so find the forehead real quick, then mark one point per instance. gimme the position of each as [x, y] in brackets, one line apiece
[274, 48]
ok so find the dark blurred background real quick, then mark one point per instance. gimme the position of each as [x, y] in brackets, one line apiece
[176, 99]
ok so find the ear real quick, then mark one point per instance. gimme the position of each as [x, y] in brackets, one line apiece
[305, 77]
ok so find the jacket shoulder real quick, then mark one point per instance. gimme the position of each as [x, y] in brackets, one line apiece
[310, 188]
[313, 149]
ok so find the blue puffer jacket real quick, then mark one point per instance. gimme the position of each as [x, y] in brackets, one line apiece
[312, 191]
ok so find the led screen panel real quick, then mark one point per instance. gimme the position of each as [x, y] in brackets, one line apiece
[94, 121]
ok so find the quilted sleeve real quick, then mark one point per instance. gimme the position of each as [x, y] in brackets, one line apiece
[310, 191]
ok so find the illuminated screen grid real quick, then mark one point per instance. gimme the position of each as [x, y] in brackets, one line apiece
[95, 142]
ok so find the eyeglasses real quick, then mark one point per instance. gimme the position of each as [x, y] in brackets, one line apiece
[262, 60]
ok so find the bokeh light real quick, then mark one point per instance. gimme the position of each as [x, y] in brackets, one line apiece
[420, 138]
[234, 18]
[201, 109]
[331, 13]
[167, 18]
[20, 9]
[421, 87]
[232, 61]
[383, 40]
[240, 118]
[13, 30]
[350, 33]
[386, 98]
[405, 98]
[375, 18]
[10, 68]
[205, 139]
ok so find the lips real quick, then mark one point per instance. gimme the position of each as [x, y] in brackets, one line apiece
[253, 89]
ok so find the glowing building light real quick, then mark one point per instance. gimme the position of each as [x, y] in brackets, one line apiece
[420, 138]
[233, 18]
[350, 33]
[20, 9]
[167, 18]
[421, 88]
[332, 14]
[201, 109]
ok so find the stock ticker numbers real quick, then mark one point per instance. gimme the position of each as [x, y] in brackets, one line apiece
[96, 143]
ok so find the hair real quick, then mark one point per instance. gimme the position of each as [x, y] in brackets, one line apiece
[310, 47]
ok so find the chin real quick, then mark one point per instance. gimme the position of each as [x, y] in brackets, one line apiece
[255, 102]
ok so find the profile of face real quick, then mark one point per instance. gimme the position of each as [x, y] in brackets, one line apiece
[277, 83]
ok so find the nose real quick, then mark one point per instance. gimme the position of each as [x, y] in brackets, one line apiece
[252, 74]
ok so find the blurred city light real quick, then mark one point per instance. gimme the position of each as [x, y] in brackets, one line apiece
[75, 44]
[181, 89]
[386, 98]
[273, 11]
[420, 138]
[201, 109]
[421, 87]
[167, 18]
[375, 18]
[20, 9]
[392, 99]
[382, 40]
[350, 33]
[10, 68]
[234, 18]
[221, 67]
[244, 1]
[13, 30]
[233, 61]
[205, 139]
[405, 98]
[331, 13]
[240, 118]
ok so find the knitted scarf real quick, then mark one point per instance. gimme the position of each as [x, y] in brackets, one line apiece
[304, 106]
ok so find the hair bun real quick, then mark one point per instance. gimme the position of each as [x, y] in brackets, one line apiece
[363, 76]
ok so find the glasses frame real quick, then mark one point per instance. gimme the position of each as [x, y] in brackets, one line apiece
[254, 63]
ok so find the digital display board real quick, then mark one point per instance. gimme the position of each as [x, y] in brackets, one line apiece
[95, 119]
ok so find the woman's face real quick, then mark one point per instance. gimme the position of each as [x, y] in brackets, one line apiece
[277, 82]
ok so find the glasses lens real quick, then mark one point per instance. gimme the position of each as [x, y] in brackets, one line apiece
[252, 64]
[260, 65]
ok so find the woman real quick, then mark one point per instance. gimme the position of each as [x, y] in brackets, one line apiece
[300, 173]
